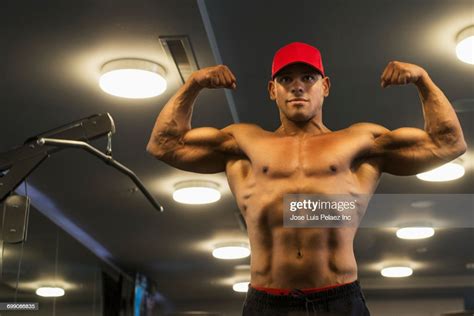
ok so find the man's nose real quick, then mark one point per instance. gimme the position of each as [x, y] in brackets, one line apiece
[297, 87]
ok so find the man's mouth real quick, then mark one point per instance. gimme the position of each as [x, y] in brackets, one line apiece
[297, 100]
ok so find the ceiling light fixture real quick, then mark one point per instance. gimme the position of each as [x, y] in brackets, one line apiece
[231, 251]
[196, 192]
[447, 172]
[465, 45]
[415, 232]
[133, 78]
[241, 287]
[50, 291]
[396, 272]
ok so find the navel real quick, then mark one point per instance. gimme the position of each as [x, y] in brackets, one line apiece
[299, 255]
[265, 169]
[333, 168]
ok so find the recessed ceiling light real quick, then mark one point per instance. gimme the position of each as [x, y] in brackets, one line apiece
[196, 192]
[465, 45]
[416, 232]
[447, 172]
[241, 287]
[133, 78]
[50, 291]
[396, 272]
[231, 251]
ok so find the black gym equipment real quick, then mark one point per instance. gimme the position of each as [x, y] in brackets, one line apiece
[18, 163]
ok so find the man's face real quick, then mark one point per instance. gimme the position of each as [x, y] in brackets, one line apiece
[299, 91]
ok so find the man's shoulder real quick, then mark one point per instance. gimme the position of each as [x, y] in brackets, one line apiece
[367, 127]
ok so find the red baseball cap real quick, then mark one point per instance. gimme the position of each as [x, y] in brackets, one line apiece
[297, 53]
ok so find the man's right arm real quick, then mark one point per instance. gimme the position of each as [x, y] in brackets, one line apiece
[173, 141]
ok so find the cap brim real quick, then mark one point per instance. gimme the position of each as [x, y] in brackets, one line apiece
[297, 62]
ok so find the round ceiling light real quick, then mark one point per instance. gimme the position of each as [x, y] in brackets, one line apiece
[133, 78]
[396, 272]
[196, 192]
[465, 45]
[241, 287]
[415, 232]
[231, 251]
[447, 172]
[50, 291]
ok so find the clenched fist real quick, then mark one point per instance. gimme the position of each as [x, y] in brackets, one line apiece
[397, 73]
[215, 77]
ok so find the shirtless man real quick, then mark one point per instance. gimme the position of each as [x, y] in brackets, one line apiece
[303, 156]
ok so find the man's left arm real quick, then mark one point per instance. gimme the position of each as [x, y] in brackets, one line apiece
[408, 151]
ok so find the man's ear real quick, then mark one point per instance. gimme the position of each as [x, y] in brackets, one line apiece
[271, 90]
[326, 86]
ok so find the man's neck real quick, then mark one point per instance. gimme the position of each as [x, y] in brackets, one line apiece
[312, 127]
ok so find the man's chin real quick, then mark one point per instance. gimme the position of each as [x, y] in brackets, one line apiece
[299, 117]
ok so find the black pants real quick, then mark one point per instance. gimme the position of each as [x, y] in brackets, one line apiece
[345, 300]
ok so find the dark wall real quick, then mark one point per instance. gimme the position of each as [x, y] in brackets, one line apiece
[51, 257]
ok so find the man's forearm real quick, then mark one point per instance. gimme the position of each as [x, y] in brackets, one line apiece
[441, 122]
[174, 119]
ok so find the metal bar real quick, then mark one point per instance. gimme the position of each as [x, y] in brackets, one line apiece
[86, 129]
[18, 163]
[107, 159]
[18, 172]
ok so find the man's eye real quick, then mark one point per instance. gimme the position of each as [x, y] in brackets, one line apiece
[284, 79]
[309, 78]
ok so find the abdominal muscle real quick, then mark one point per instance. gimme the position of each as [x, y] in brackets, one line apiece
[302, 257]
[288, 257]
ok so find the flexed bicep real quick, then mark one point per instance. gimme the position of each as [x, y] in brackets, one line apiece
[408, 151]
[175, 142]
[203, 150]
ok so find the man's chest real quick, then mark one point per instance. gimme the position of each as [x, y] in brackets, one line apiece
[309, 156]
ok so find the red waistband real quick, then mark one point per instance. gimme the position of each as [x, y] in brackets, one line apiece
[287, 291]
